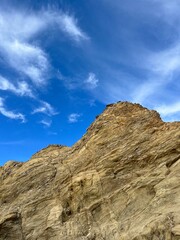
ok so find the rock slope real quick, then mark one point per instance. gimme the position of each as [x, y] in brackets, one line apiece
[121, 181]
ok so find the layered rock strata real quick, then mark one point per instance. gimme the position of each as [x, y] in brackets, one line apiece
[121, 181]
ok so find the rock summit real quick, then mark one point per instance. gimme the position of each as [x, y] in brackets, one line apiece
[121, 181]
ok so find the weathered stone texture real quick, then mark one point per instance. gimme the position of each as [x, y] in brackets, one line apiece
[121, 181]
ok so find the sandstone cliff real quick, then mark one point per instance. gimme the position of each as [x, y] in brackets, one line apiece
[121, 181]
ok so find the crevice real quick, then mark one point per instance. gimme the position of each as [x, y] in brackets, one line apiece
[172, 162]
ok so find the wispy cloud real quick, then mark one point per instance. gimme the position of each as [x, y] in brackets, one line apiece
[167, 62]
[10, 114]
[12, 142]
[21, 49]
[74, 117]
[45, 108]
[162, 67]
[69, 25]
[46, 123]
[17, 47]
[169, 9]
[22, 88]
[166, 110]
[81, 81]
[141, 62]
[92, 81]
[52, 133]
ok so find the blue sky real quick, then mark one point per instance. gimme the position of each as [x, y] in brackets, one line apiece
[61, 62]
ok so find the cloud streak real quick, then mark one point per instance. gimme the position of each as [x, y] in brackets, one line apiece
[17, 47]
[166, 110]
[163, 67]
[21, 88]
[20, 142]
[21, 49]
[46, 123]
[10, 114]
[141, 58]
[69, 25]
[45, 108]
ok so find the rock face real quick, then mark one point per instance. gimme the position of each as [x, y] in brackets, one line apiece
[121, 181]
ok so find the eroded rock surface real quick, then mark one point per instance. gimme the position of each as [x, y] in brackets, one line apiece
[121, 181]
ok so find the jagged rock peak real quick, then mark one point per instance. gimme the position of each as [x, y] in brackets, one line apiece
[119, 182]
[126, 112]
[121, 118]
[128, 109]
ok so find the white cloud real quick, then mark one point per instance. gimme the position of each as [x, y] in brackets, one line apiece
[92, 81]
[20, 25]
[167, 62]
[21, 51]
[166, 110]
[45, 108]
[10, 114]
[17, 32]
[46, 123]
[66, 23]
[73, 117]
[143, 91]
[144, 52]
[29, 60]
[162, 68]
[21, 88]
[69, 25]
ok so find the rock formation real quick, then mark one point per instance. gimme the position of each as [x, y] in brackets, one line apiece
[121, 181]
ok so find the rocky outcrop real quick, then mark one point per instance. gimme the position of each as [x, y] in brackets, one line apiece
[121, 181]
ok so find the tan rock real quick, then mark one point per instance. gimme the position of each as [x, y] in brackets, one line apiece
[176, 230]
[121, 181]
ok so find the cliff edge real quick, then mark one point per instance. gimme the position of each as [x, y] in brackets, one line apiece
[121, 181]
